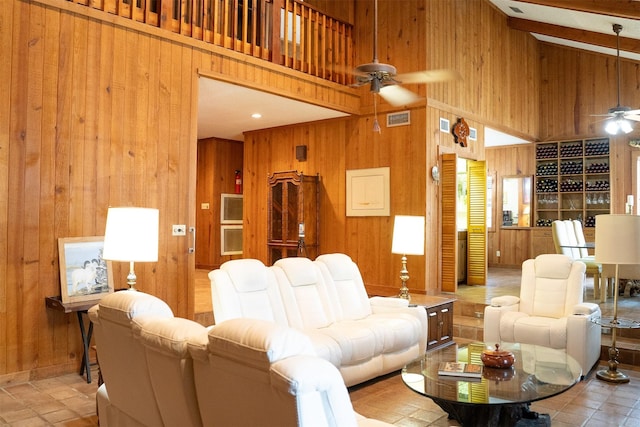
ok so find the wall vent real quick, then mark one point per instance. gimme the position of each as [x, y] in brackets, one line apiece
[401, 118]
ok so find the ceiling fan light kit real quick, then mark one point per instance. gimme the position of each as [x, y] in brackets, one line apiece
[620, 116]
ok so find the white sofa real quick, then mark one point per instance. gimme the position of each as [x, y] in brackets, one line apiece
[326, 300]
[161, 370]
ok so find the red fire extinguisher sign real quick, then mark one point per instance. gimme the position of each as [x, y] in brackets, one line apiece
[238, 182]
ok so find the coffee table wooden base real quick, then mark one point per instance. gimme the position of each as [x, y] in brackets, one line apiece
[493, 415]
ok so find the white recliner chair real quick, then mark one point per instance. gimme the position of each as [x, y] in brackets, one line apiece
[549, 311]
[127, 396]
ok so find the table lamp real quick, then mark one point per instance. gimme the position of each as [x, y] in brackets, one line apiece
[616, 243]
[408, 239]
[131, 235]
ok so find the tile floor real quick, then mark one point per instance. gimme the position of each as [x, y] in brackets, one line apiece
[69, 401]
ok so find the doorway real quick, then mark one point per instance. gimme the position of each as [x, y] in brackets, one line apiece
[464, 231]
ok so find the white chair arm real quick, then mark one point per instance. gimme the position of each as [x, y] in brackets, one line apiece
[504, 301]
[319, 389]
[388, 302]
[586, 308]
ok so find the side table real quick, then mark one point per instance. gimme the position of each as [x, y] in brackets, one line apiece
[80, 308]
[439, 319]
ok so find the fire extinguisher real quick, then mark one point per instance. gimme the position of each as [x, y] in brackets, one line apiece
[238, 182]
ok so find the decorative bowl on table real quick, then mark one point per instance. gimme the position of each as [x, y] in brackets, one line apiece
[497, 358]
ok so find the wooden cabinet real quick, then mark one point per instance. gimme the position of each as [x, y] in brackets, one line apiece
[293, 215]
[572, 181]
[439, 319]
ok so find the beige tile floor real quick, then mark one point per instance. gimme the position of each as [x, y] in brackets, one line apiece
[69, 401]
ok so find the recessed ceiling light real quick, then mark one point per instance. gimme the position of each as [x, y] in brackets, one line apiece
[256, 115]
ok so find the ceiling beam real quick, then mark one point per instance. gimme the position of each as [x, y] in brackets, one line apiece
[582, 36]
[620, 8]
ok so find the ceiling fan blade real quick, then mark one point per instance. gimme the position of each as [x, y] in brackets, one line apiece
[429, 76]
[397, 95]
[634, 117]
[632, 112]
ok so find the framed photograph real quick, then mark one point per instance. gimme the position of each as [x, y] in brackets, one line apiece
[230, 208]
[368, 192]
[230, 240]
[84, 275]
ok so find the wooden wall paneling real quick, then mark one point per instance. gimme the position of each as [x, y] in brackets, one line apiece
[49, 285]
[6, 36]
[515, 245]
[115, 128]
[492, 60]
[432, 204]
[31, 130]
[15, 195]
[218, 160]
[205, 218]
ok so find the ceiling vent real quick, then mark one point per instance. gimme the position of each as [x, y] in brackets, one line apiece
[401, 118]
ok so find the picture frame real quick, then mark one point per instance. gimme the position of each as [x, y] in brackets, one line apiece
[231, 240]
[231, 206]
[368, 192]
[84, 274]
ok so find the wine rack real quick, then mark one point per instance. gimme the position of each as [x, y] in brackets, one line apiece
[572, 181]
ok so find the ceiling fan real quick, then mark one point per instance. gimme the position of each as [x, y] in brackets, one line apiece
[384, 79]
[620, 116]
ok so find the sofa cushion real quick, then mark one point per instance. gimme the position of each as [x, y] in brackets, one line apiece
[261, 343]
[246, 288]
[249, 275]
[120, 308]
[171, 366]
[345, 286]
[304, 293]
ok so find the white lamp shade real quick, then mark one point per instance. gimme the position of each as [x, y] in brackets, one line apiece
[131, 234]
[617, 239]
[408, 235]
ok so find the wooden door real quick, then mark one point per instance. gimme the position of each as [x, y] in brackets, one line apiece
[476, 223]
[448, 182]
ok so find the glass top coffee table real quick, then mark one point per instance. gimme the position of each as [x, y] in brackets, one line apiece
[502, 396]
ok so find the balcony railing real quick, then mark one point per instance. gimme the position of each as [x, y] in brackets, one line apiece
[286, 32]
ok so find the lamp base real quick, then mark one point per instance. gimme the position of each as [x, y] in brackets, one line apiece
[612, 376]
[404, 293]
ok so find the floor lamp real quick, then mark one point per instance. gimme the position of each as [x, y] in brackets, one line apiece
[131, 235]
[617, 242]
[408, 239]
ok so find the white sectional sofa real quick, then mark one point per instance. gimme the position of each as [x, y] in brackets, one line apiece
[160, 370]
[326, 300]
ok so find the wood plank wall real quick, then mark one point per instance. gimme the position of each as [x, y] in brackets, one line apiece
[218, 159]
[101, 112]
[514, 244]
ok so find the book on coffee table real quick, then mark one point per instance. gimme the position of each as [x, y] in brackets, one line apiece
[460, 369]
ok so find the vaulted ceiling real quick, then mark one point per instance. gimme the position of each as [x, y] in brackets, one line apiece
[582, 24]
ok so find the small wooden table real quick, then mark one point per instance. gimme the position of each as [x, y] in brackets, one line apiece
[80, 308]
[439, 319]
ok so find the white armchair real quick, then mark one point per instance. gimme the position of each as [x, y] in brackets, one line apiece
[549, 311]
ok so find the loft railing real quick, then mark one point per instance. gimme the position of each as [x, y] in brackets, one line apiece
[286, 32]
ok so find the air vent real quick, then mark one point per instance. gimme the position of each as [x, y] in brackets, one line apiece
[401, 118]
[515, 9]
